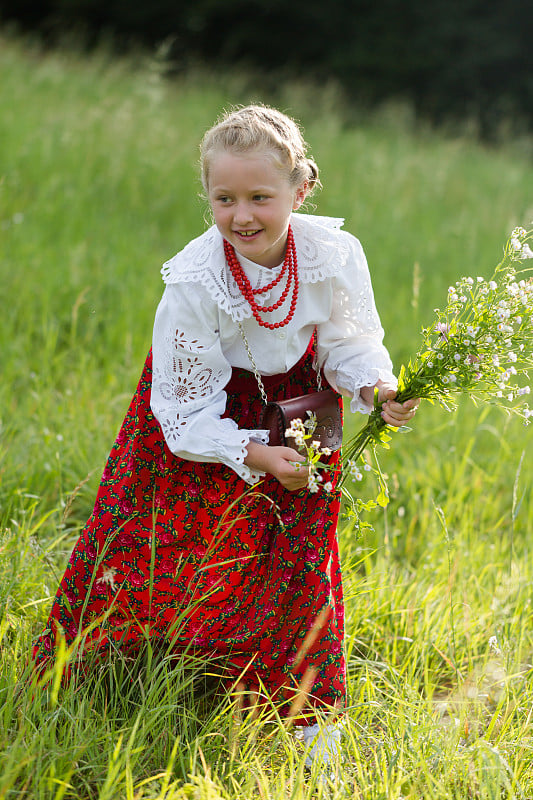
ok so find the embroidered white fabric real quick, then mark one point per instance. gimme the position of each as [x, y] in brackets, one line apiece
[196, 341]
[321, 254]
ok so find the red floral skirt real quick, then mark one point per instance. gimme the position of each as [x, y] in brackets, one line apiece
[190, 556]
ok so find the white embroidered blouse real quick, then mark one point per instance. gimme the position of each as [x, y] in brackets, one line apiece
[196, 339]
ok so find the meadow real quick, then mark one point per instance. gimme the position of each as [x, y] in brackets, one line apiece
[99, 186]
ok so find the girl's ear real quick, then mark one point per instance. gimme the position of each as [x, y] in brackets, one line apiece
[300, 195]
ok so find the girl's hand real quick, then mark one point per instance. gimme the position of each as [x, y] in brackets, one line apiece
[279, 462]
[395, 414]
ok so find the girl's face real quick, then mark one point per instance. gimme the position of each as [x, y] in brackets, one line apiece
[252, 201]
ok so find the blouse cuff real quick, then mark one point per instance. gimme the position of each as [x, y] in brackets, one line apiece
[233, 456]
[364, 377]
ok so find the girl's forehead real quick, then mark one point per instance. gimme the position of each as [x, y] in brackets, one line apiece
[253, 165]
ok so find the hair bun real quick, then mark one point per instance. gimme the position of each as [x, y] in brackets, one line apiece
[314, 180]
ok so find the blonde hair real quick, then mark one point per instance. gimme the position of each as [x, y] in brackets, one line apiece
[259, 127]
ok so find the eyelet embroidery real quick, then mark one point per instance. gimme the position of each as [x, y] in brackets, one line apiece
[323, 248]
[186, 379]
[180, 340]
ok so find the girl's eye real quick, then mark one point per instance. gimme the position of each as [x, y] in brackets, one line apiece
[224, 199]
[260, 197]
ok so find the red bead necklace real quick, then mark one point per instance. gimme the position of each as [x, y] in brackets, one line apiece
[290, 266]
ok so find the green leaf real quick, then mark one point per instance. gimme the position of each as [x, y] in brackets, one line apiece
[383, 498]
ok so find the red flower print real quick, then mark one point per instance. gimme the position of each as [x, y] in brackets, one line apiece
[136, 579]
[289, 518]
[126, 506]
[160, 501]
[125, 539]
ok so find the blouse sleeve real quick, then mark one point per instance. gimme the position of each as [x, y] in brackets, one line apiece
[189, 376]
[350, 343]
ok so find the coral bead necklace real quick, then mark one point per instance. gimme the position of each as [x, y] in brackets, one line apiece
[290, 267]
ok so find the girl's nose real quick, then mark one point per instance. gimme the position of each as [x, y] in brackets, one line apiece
[242, 213]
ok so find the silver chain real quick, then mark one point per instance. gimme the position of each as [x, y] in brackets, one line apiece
[254, 365]
[256, 371]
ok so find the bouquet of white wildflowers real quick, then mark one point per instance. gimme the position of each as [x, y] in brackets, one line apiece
[480, 344]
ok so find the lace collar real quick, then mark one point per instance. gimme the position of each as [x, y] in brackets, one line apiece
[322, 249]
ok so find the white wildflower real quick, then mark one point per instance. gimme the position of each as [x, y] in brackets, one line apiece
[108, 577]
[299, 439]
[524, 390]
[297, 427]
[312, 484]
[310, 424]
[328, 486]
[526, 252]
[493, 285]
[355, 472]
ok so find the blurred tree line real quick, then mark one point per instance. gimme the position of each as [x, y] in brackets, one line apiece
[450, 58]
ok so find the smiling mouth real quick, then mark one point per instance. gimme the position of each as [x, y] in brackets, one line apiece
[246, 234]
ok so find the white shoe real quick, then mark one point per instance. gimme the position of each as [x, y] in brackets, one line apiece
[322, 744]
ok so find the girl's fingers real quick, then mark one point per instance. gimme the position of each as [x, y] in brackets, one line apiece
[397, 414]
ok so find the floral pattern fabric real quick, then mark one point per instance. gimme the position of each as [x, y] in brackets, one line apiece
[190, 555]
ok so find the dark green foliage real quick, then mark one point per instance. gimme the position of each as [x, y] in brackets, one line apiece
[450, 58]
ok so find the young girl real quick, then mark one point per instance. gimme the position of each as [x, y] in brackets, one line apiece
[180, 547]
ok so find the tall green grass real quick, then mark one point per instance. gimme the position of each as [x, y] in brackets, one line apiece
[98, 187]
